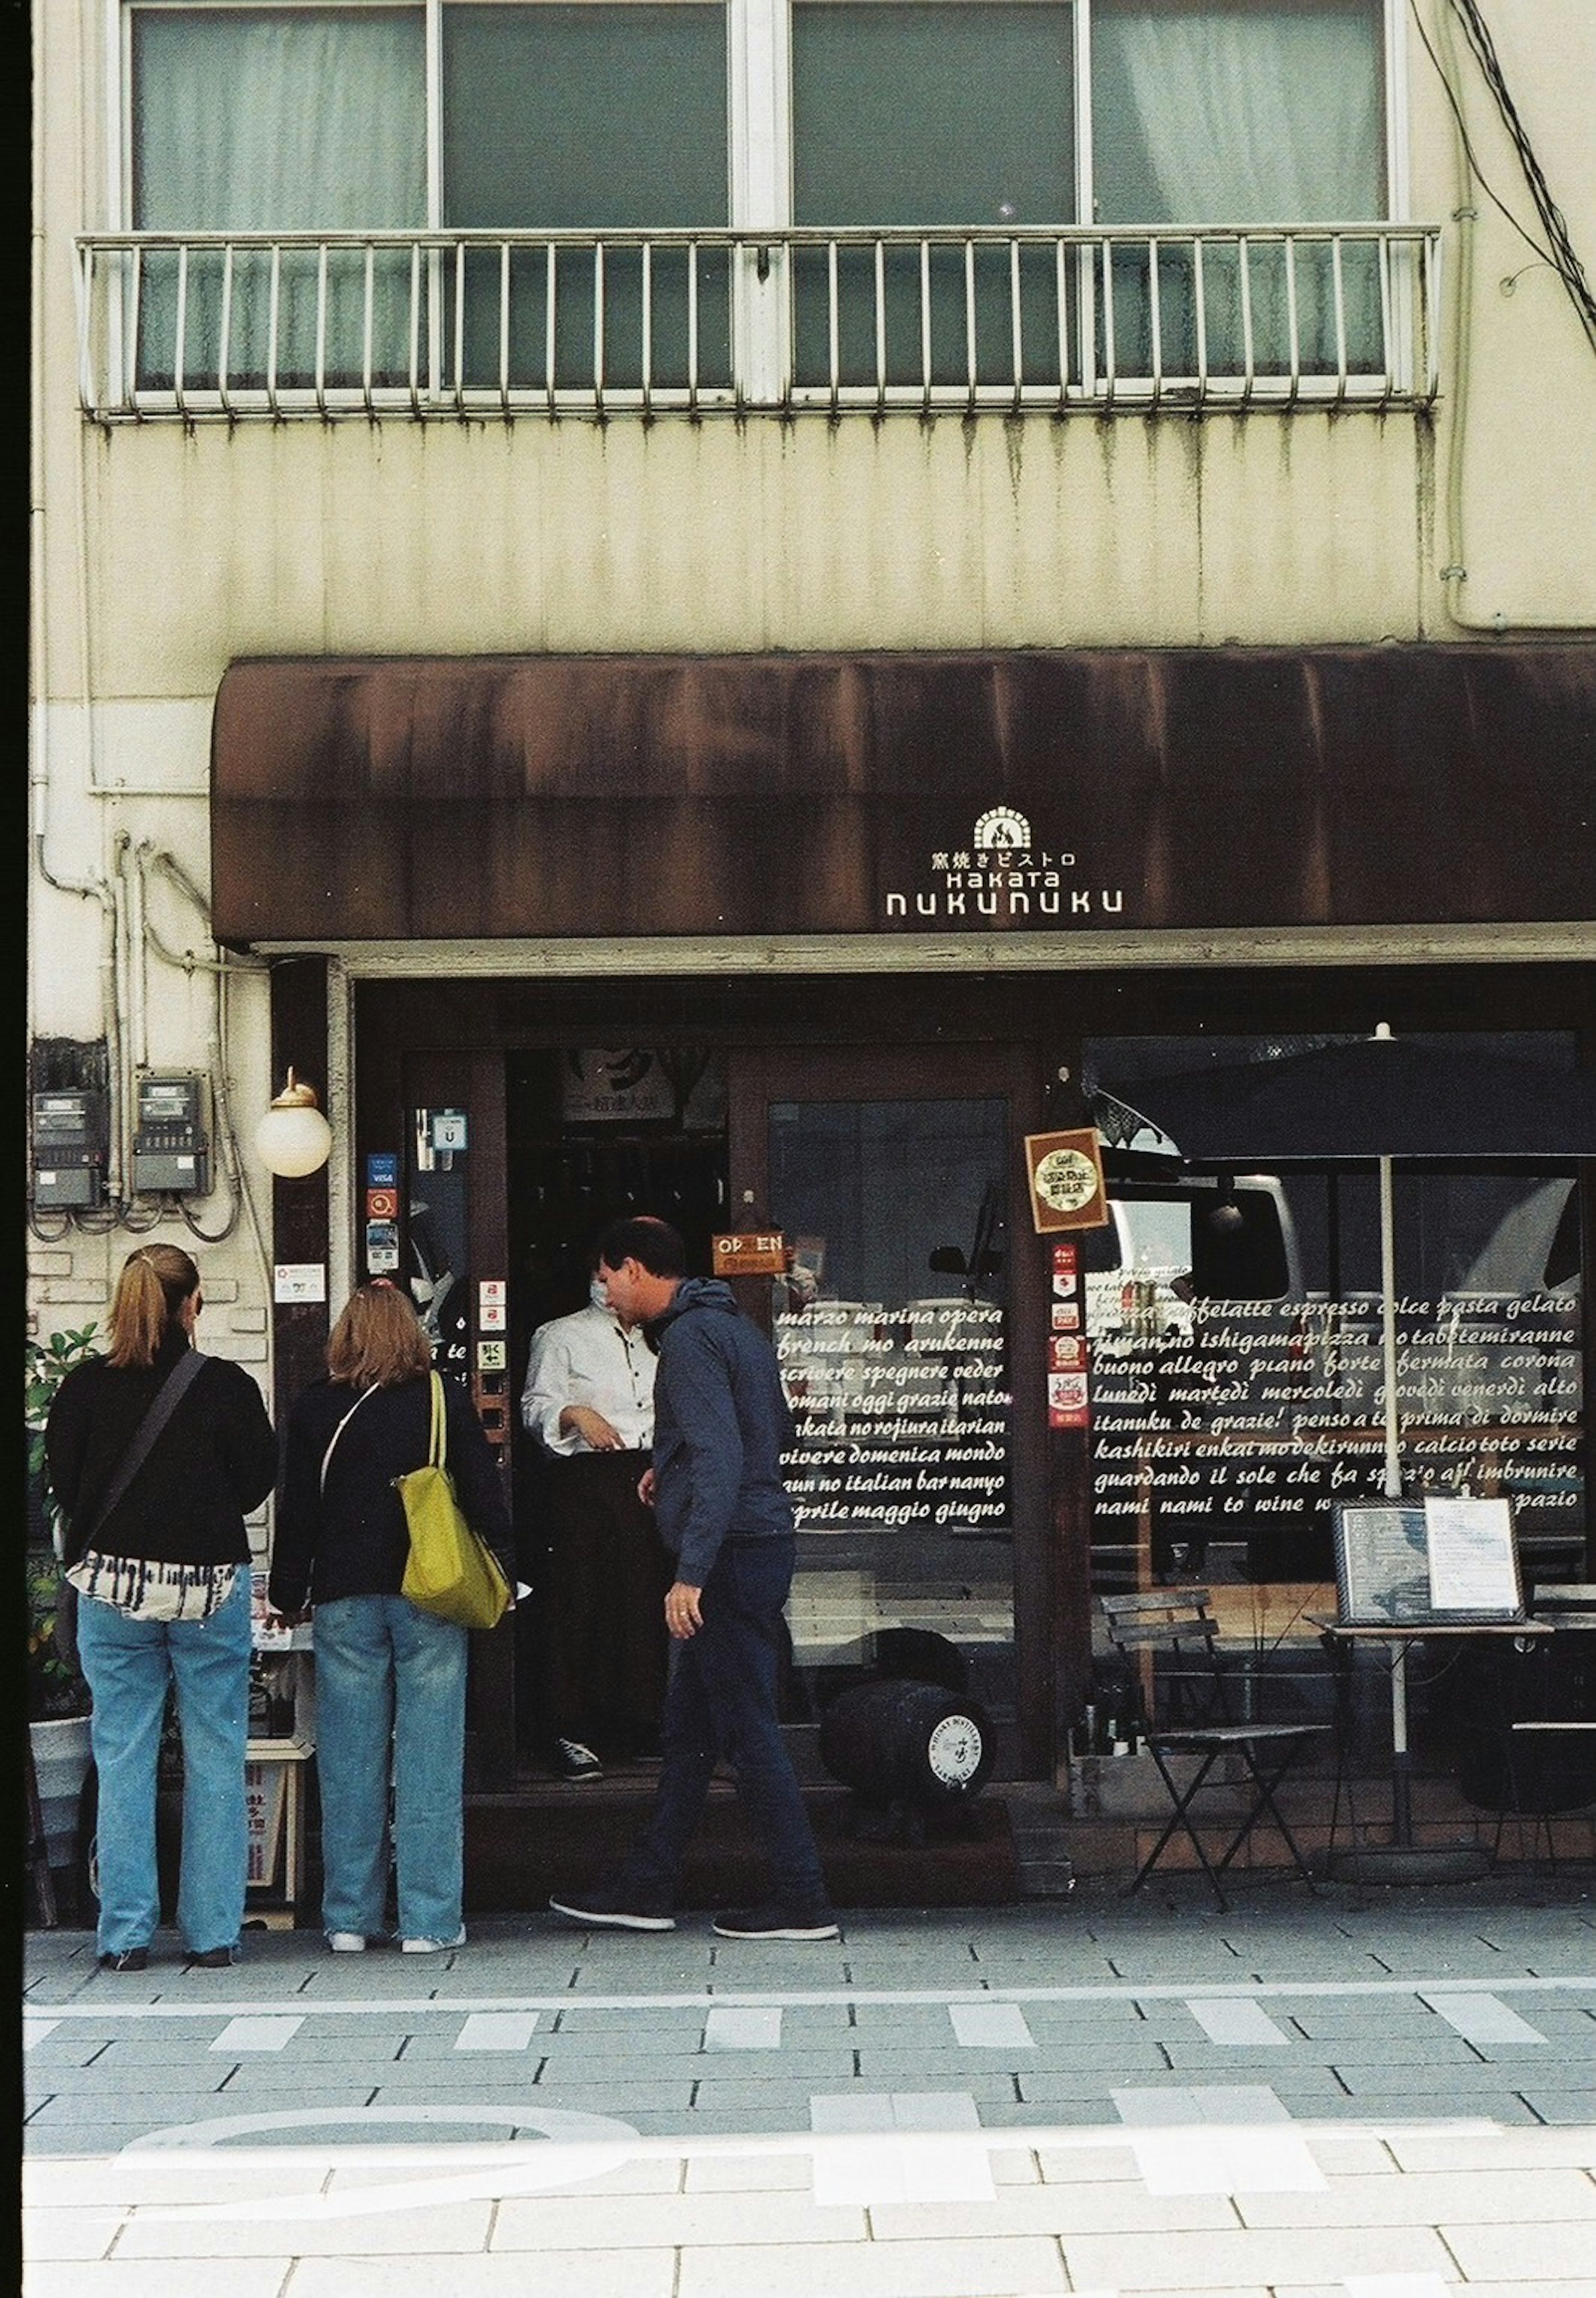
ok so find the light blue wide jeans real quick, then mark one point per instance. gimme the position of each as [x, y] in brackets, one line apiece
[128, 1663]
[390, 1704]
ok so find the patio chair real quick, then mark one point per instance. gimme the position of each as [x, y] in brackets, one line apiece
[1176, 1626]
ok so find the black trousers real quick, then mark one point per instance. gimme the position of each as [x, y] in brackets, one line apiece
[601, 1603]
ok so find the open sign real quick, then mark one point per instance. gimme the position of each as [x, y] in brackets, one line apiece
[751, 1252]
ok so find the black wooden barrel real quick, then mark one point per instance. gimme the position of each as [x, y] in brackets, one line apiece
[897, 1741]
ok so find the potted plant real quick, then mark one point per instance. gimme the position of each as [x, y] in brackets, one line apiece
[58, 1698]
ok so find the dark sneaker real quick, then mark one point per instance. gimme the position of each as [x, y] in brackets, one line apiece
[613, 1904]
[573, 1761]
[131, 1958]
[773, 1921]
[214, 1958]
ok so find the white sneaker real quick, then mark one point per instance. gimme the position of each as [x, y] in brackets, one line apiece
[346, 1942]
[432, 1947]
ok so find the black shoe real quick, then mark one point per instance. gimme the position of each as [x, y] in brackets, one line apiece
[774, 1921]
[574, 1762]
[131, 1958]
[214, 1958]
[614, 1904]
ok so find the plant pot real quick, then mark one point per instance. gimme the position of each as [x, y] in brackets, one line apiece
[61, 1761]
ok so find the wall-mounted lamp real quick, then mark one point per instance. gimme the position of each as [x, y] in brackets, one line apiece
[293, 1138]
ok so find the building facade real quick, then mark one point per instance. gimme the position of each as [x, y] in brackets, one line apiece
[736, 609]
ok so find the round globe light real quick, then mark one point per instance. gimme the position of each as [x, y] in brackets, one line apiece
[293, 1138]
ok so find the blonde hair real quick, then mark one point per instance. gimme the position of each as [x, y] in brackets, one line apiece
[379, 1341]
[155, 1282]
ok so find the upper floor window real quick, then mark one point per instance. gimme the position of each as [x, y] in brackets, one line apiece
[955, 192]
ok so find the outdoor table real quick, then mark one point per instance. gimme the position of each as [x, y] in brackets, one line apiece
[1402, 1860]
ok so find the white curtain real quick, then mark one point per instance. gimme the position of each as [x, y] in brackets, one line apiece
[278, 121]
[1234, 112]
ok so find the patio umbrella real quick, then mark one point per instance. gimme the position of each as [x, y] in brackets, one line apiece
[1381, 1097]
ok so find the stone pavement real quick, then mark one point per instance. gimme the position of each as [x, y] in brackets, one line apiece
[1379, 2095]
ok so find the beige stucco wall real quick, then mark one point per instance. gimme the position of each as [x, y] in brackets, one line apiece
[160, 554]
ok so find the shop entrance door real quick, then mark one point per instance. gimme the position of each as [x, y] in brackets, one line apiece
[916, 1474]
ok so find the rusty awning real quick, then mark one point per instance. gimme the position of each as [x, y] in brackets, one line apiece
[499, 797]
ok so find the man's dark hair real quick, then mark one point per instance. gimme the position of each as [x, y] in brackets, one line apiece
[653, 1243]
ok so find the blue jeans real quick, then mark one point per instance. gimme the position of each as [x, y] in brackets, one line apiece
[128, 1663]
[720, 1702]
[390, 1704]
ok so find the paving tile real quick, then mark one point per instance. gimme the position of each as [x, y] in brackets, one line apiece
[627, 2100]
[1532, 2148]
[1056, 2209]
[758, 2219]
[743, 2028]
[159, 2277]
[453, 2227]
[730, 2174]
[973, 2268]
[1199, 2261]
[1537, 2255]
[497, 2031]
[1560, 2106]
[117, 2180]
[573, 2274]
[1484, 2197]
[80, 2232]
[1237, 2023]
[1091, 2061]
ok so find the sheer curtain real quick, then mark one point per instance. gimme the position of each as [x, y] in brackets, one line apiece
[1228, 112]
[290, 120]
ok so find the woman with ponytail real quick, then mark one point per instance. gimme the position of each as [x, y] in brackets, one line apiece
[155, 1454]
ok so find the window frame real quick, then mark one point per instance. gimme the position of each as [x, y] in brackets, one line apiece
[759, 156]
[760, 160]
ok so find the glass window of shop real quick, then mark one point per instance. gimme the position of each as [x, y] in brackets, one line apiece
[892, 1333]
[1235, 1323]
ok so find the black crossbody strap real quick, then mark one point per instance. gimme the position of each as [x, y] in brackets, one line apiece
[163, 1405]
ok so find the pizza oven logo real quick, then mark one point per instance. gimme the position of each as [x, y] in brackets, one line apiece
[1002, 831]
[1004, 875]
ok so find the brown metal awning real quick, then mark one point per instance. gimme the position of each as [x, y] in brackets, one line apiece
[504, 796]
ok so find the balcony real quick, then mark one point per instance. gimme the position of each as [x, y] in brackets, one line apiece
[234, 326]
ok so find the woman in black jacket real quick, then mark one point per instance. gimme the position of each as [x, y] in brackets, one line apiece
[160, 1561]
[390, 1679]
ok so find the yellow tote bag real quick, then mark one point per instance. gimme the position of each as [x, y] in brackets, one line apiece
[451, 1572]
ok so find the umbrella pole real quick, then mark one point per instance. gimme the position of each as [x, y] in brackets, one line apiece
[1394, 1463]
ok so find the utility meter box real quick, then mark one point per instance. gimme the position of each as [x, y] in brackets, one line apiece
[69, 1143]
[171, 1146]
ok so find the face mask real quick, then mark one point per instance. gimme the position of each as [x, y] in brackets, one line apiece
[597, 1294]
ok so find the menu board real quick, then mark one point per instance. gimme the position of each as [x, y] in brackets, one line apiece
[1474, 1568]
[1382, 1565]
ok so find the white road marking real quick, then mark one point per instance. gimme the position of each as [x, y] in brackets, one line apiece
[99, 2007]
[257, 2033]
[574, 2149]
[35, 2029]
[917, 2163]
[1482, 2020]
[991, 2026]
[1215, 2139]
[743, 2029]
[1243, 2024]
[475, 2170]
[497, 2031]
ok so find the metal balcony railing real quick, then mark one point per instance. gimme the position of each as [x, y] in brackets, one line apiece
[231, 326]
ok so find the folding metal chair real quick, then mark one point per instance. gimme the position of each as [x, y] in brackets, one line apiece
[1177, 1624]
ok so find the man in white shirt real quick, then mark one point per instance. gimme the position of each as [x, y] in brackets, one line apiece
[588, 1404]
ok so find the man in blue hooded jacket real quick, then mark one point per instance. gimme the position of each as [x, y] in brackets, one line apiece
[721, 1424]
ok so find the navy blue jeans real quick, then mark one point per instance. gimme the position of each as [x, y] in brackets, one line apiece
[720, 1703]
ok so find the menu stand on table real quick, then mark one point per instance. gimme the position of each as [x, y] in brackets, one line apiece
[1408, 1573]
